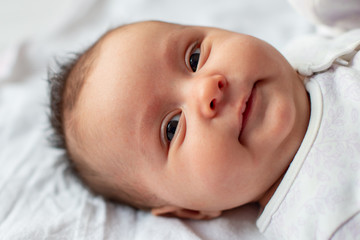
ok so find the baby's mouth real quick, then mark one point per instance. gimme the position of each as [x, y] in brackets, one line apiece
[247, 109]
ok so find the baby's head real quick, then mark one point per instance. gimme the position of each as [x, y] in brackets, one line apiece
[178, 118]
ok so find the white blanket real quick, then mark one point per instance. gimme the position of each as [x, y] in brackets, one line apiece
[39, 196]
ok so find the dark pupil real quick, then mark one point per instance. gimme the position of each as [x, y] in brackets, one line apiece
[194, 59]
[171, 129]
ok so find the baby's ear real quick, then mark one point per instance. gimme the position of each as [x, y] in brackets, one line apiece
[172, 211]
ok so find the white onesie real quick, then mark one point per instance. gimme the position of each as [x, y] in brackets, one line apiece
[319, 196]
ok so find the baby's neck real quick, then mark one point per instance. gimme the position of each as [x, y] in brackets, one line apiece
[263, 201]
[304, 113]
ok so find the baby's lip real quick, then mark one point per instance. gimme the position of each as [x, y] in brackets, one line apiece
[245, 108]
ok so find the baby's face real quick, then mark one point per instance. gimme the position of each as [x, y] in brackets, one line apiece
[203, 118]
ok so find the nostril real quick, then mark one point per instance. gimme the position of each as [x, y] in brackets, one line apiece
[220, 84]
[212, 104]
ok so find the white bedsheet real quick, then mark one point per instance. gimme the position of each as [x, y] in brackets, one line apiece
[39, 197]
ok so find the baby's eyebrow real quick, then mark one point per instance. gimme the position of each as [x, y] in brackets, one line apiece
[173, 46]
[148, 120]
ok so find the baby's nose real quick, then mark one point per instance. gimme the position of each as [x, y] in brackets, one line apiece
[211, 94]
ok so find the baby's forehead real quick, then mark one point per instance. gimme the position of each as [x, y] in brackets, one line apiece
[137, 39]
[117, 76]
[139, 30]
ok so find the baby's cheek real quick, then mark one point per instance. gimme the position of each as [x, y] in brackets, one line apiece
[280, 119]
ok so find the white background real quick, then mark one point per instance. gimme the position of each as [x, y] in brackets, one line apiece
[21, 19]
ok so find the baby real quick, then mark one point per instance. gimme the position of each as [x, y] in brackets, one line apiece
[186, 121]
[174, 117]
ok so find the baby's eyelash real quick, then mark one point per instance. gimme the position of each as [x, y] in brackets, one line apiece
[194, 59]
[192, 56]
[171, 127]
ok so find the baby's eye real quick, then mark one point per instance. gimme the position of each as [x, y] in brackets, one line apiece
[194, 59]
[171, 127]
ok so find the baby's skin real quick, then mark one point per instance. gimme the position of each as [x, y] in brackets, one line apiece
[202, 118]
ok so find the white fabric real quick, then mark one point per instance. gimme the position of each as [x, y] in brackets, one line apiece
[331, 16]
[315, 53]
[319, 197]
[39, 197]
[338, 34]
[350, 230]
[320, 193]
